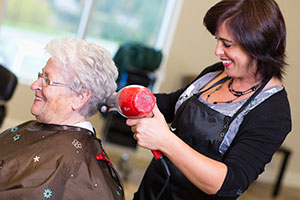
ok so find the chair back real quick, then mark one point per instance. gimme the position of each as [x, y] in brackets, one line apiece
[8, 83]
[136, 64]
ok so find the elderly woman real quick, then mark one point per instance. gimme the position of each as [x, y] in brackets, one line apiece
[58, 156]
[228, 123]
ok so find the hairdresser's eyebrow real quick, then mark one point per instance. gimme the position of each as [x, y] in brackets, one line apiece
[224, 40]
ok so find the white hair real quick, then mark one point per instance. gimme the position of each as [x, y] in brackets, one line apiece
[89, 67]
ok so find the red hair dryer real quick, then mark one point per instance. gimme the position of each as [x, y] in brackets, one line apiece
[133, 101]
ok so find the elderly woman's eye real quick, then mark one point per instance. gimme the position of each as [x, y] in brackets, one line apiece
[47, 80]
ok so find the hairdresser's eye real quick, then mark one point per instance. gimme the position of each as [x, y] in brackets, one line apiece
[226, 45]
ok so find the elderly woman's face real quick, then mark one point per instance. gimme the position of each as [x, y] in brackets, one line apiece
[52, 103]
[235, 59]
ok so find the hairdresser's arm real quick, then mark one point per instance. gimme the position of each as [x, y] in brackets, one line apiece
[205, 173]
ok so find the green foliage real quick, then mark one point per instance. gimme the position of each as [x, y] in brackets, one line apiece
[123, 20]
[115, 20]
[27, 13]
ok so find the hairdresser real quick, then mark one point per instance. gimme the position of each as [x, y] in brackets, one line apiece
[227, 124]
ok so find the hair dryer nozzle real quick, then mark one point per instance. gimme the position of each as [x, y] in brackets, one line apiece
[136, 101]
[133, 101]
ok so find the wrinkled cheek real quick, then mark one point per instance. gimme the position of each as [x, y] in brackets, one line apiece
[60, 105]
[37, 107]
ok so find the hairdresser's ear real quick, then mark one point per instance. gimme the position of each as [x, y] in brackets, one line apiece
[80, 99]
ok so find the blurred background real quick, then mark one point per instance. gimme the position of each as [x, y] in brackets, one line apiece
[167, 31]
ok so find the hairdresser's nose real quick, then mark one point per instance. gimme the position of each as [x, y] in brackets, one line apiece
[219, 51]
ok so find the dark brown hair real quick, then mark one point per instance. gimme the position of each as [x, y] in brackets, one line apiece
[258, 26]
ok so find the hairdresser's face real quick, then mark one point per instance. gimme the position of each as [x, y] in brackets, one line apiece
[52, 103]
[235, 59]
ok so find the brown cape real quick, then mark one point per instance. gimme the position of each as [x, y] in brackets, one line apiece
[46, 161]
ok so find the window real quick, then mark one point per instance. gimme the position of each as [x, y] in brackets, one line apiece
[130, 20]
[27, 25]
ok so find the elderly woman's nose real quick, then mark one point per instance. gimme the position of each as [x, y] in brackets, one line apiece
[36, 85]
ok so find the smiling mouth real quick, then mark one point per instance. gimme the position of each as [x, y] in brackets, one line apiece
[226, 62]
[39, 99]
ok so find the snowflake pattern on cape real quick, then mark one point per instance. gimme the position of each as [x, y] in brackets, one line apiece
[16, 137]
[14, 129]
[36, 159]
[47, 193]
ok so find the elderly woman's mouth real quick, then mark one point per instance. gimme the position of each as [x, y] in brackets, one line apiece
[39, 99]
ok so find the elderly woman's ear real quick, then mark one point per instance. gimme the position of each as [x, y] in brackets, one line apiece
[79, 100]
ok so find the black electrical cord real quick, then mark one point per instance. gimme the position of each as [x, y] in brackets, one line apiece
[163, 162]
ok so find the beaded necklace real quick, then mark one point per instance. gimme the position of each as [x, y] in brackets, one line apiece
[237, 94]
[241, 93]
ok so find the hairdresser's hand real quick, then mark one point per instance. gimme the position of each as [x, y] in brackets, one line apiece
[150, 133]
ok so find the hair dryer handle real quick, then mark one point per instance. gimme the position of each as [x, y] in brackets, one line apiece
[157, 154]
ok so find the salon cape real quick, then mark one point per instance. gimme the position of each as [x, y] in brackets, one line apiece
[47, 161]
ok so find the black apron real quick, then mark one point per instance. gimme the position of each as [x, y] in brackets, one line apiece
[203, 129]
[191, 123]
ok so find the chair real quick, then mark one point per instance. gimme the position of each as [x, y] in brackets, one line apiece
[286, 156]
[136, 65]
[8, 83]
